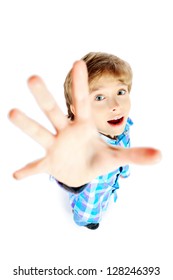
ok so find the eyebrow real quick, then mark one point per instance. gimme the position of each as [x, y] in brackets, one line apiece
[93, 89]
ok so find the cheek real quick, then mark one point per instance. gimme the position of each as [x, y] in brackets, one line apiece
[127, 105]
[97, 115]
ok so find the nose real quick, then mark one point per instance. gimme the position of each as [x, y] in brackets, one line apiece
[114, 105]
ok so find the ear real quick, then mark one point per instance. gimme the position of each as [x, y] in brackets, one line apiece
[72, 109]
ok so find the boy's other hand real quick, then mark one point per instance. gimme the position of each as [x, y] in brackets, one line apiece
[75, 155]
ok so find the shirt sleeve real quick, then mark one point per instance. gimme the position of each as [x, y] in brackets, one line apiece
[126, 170]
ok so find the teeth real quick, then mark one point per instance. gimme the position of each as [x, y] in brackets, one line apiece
[116, 118]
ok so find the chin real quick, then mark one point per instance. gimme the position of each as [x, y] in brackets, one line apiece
[118, 131]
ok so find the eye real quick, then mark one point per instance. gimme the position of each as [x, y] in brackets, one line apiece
[99, 97]
[122, 92]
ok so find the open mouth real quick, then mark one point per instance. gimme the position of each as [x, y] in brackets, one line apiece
[116, 122]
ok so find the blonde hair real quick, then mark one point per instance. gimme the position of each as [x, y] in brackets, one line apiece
[98, 64]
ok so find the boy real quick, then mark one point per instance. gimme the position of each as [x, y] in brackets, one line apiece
[110, 80]
[86, 155]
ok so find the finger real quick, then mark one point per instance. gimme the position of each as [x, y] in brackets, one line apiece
[80, 90]
[47, 103]
[31, 128]
[143, 155]
[121, 156]
[138, 155]
[32, 168]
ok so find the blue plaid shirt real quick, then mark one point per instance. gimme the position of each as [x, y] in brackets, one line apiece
[90, 204]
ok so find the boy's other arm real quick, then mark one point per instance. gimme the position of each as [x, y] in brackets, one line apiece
[75, 154]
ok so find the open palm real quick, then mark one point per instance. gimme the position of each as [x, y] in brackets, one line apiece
[76, 154]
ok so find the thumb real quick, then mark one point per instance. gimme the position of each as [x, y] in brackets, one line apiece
[141, 155]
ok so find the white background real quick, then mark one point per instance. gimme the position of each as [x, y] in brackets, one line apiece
[36, 226]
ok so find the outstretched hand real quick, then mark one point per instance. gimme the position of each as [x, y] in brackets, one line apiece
[76, 154]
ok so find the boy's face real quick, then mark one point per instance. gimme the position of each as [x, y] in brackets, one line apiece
[110, 103]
